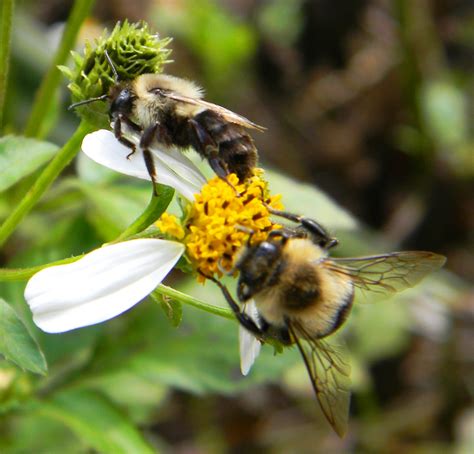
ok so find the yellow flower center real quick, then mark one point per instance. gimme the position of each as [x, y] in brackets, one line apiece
[220, 222]
[170, 225]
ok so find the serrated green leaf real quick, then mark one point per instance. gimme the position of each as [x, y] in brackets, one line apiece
[17, 344]
[20, 156]
[65, 70]
[96, 421]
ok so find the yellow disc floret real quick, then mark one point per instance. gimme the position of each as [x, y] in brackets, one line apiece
[222, 219]
[170, 225]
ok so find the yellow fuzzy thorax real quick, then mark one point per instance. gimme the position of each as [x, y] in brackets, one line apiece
[220, 222]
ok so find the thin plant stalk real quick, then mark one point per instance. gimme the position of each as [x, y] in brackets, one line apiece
[191, 301]
[5, 49]
[45, 95]
[158, 204]
[44, 181]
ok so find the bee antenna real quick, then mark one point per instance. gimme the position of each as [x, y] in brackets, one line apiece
[87, 101]
[224, 270]
[111, 63]
[242, 228]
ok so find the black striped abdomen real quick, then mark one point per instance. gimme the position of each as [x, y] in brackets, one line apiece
[235, 146]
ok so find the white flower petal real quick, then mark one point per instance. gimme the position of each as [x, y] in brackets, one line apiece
[248, 343]
[101, 285]
[172, 167]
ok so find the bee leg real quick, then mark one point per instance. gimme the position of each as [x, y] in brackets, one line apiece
[207, 144]
[145, 142]
[119, 134]
[244, 319]
[210, 150]
[310, 225]
[150, 166]
[282, 334]
[245, 229]
[220, 169]
[284, 234]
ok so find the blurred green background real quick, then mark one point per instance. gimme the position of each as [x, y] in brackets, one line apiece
[368, 100]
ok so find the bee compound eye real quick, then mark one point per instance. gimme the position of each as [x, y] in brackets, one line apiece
[243, 291]
[267, 250]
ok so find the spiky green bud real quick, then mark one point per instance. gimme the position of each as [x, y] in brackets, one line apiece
[133, 49]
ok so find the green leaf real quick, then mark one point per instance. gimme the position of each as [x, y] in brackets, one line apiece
[306, 199]
[20, 156]
[32, 432]
[115, 208]
[201, 356]
[17, 344]
[96, 421]
[94, 173]
[220, 57]
[138, 396]
[156, 207]
[387, 322]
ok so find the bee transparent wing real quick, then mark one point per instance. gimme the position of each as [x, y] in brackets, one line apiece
[387, 273]
[329, 372]
[249, 345]
[230, 116]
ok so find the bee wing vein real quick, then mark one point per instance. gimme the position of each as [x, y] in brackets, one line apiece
[329, 374]
[230, 116]
[387, 273]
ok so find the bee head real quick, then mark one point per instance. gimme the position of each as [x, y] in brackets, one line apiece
[257, 265]
[121, 101]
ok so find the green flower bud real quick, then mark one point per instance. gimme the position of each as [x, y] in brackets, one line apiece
[133, 49]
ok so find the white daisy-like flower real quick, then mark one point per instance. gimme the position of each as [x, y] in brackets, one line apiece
[101, 285]
[112, 279]
[109, 281]
[173, 168]
[249, 345]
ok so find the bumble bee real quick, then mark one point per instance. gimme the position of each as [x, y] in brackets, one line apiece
[170, 112]
[302, 296]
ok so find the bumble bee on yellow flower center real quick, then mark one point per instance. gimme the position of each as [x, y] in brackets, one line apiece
[220, 222]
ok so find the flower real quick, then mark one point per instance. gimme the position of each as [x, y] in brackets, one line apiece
[249, 345]
[219, 222]
[101, 285]
[110, 280]
[172, 167]
[134, 50]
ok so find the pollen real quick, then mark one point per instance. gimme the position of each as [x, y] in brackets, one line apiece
[169, 225]
[221, 222]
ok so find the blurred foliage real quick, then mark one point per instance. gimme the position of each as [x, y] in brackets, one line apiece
[373, 104]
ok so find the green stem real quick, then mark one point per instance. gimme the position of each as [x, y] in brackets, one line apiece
[23, 274]
[44, 181]
[5, 42]
[157, 206]
[45, 95]
[186, 299]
